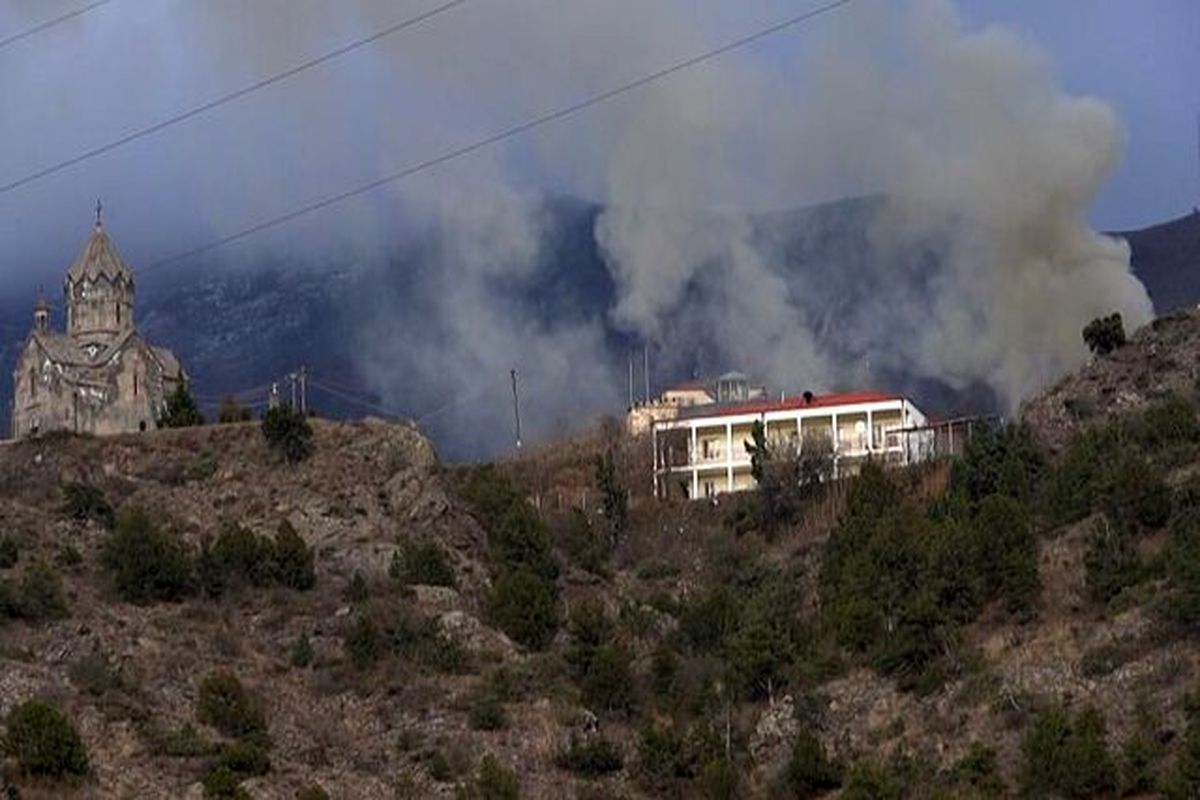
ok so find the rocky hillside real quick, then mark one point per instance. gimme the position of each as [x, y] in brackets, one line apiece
[1021, 622]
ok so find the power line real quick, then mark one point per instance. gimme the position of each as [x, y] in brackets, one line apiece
[16, 37]
[508, 133]
[227, 98]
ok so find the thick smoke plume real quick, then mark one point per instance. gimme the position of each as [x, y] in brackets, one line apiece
[981, 157]
[972, 264]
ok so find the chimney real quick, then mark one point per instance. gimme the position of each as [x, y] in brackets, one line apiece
[808, 397]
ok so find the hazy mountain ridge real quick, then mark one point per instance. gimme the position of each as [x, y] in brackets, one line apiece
[239, 331]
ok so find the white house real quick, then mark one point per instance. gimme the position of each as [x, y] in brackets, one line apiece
[702, 449]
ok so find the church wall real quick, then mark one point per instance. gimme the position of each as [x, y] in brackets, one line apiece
[99, 305]
[122, 396]
[42, 400]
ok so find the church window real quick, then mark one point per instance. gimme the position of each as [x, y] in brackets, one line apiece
[118, 313]
[135, 384]
[32, 383]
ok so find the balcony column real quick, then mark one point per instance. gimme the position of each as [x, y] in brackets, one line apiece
[833, 442]
[729, 456]
[870, 432]
[695, 470]
[654, 453]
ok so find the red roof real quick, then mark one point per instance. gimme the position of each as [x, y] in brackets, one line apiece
[789, 404]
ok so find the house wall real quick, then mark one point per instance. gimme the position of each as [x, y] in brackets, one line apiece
[715, 467]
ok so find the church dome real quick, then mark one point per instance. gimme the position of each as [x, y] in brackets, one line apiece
[99, 259]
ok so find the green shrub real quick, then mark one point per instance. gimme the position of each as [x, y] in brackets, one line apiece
[868, 781]
[180, 410]
[1001, 461]
[301, 654]
[183, 742]
[10, 551]
[978, 774]
[1110, 561]
[584, 545]
[84, 502]
[1104, 334]
[1182, 782]
[231, 411]
[39, 595]
[364, 642]
[495, 781]
[43, 741]
[608, 683]
[422, 563]
[1076, 482]
[293, 559]
[237, 556]
[357, 590]
[226, 705]
[487, 713]
[525, 606]
[1183, 567]
[590, 757]
[517, 536]
[1134, 494]
[669, 755]
[1140, 759]
[222, 783]
[313, 792]
[1006, 552]
[146, 563]
[1168, 423]
[719, 780]
[287, 433]
[242, 757]
[1067, 756]
[809, 771]
[614, 496]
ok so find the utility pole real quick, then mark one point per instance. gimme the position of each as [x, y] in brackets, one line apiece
[646, 369]
[303, 390]
[292, 378]
[516, 407]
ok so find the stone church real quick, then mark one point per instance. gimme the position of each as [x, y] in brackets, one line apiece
[101, 376]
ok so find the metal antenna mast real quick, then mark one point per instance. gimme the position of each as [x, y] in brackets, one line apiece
[516, 407]
[631, 381]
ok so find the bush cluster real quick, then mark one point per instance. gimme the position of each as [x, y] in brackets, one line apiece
[146, 562]
[37, 596]
[288, 433]
[898, 582]
[599, 663]
[10, 551]
[590, 758]
[43, 741]
[1066, 755]
[524, 598]
[377, 632]
[422, 563]
[238, 556]
[181, 410]
[84, 502]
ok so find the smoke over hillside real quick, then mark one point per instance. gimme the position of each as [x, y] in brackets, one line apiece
[977, 267]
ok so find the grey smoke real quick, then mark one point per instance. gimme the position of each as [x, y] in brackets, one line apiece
[981, 156]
